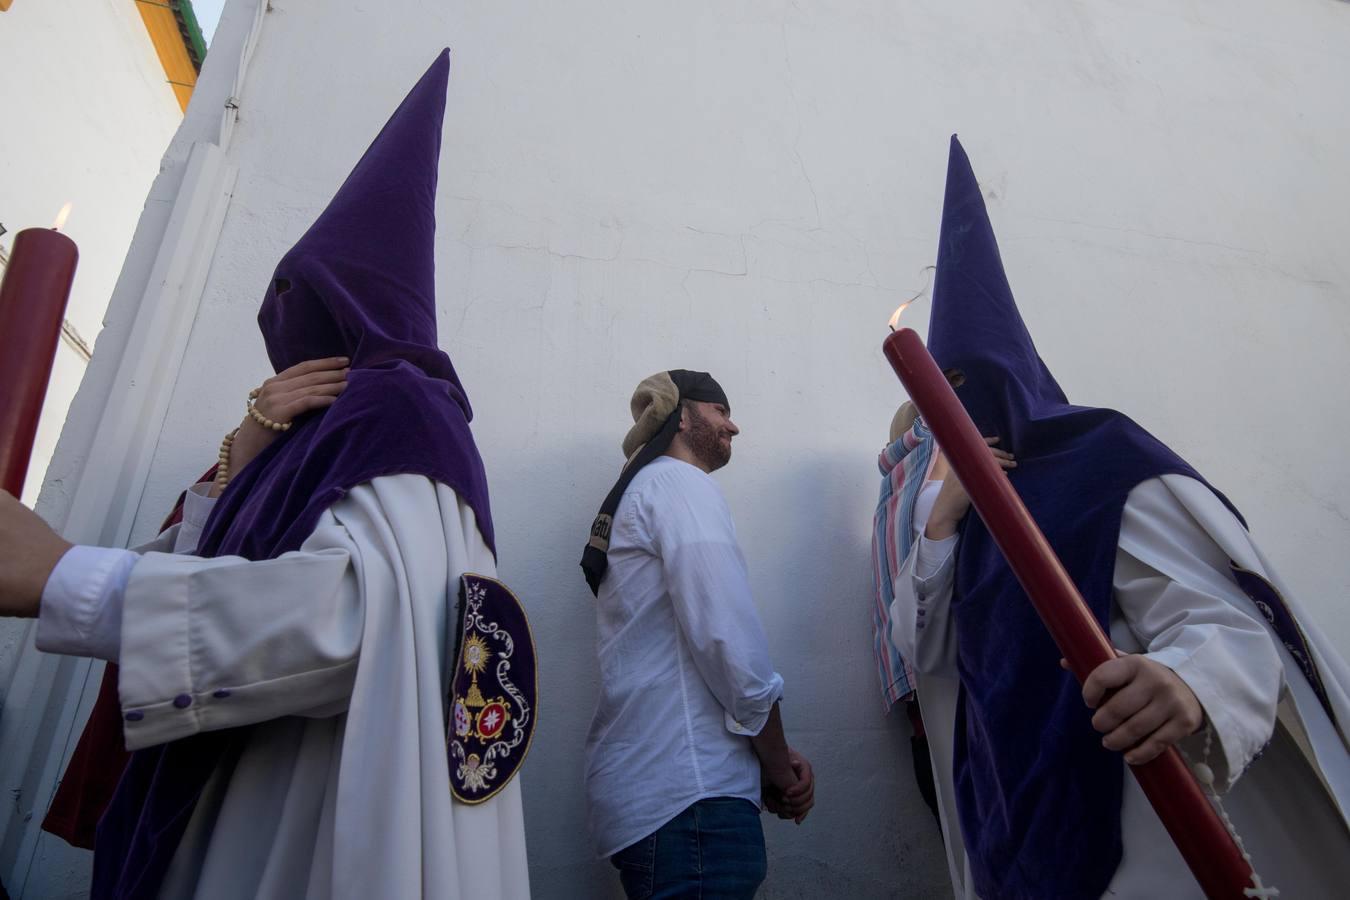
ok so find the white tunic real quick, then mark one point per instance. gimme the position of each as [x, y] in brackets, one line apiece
[338, 656]
[1176, 601]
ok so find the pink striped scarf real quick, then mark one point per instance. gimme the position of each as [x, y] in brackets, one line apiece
[903, 466]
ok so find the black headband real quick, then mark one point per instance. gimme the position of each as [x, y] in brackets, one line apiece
[690, 386]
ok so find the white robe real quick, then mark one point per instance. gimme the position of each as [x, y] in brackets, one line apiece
[338, 655]
[1176, 601]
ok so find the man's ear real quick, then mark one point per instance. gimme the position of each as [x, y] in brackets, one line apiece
[684, 418]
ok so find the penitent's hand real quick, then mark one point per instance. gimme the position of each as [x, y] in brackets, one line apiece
[304, 387]
[29, 550]
[952, 502]
[1149, 708]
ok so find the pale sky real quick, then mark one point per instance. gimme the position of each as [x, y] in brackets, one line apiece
[208, 14]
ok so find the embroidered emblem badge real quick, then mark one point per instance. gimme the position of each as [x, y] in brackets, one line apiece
[1285, 625]
[493, 692]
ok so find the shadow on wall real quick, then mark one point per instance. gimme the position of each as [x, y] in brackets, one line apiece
[544, 497]
[870, 835]
[804, 518]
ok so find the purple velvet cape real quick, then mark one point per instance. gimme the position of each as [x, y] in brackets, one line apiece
[1038, 796]
[359, 283]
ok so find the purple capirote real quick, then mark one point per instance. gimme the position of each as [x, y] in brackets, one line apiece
[1037, 794]
[359, 283]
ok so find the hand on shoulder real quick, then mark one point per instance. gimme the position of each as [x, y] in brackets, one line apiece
[304, 387]
[953, 503]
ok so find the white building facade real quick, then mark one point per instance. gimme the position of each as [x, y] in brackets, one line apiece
[752, 188]
[86, 112]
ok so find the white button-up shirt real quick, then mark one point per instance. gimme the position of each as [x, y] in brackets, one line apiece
[685, 676]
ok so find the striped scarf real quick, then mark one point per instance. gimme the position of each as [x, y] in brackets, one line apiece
[903, 464]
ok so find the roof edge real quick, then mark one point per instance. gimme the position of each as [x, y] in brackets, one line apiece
[191, 31]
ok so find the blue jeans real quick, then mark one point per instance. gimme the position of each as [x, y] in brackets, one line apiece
[714, 849]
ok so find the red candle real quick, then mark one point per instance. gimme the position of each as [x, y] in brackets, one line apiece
[1195, 827]
[33, 299]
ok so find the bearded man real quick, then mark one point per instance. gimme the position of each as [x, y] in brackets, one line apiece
[687, 738]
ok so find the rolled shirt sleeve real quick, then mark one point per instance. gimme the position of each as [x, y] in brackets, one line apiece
[709, 587]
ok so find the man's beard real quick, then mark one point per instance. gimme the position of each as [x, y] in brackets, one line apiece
[705, 441]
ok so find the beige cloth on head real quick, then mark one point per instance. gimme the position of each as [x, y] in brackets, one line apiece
[656, 421]
[654, 400]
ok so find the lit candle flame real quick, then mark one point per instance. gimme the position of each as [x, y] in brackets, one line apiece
[895, 317]
[62, 216]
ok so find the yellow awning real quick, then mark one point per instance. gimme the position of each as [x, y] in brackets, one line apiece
[162, 23]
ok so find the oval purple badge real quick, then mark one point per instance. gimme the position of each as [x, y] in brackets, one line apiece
[493, 693]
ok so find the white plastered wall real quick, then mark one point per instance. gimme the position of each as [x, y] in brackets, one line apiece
[751, 188]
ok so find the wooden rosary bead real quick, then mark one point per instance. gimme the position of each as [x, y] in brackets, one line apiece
[223, 460]
[259, 417]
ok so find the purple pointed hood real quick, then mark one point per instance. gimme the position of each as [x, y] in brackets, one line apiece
[976, 327]
[360, 283]
[1038, 796]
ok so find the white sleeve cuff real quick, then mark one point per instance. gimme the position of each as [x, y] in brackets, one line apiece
[752, 726]
[1238, 743]
[197, 508]
[934, 557]
[81, 608]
